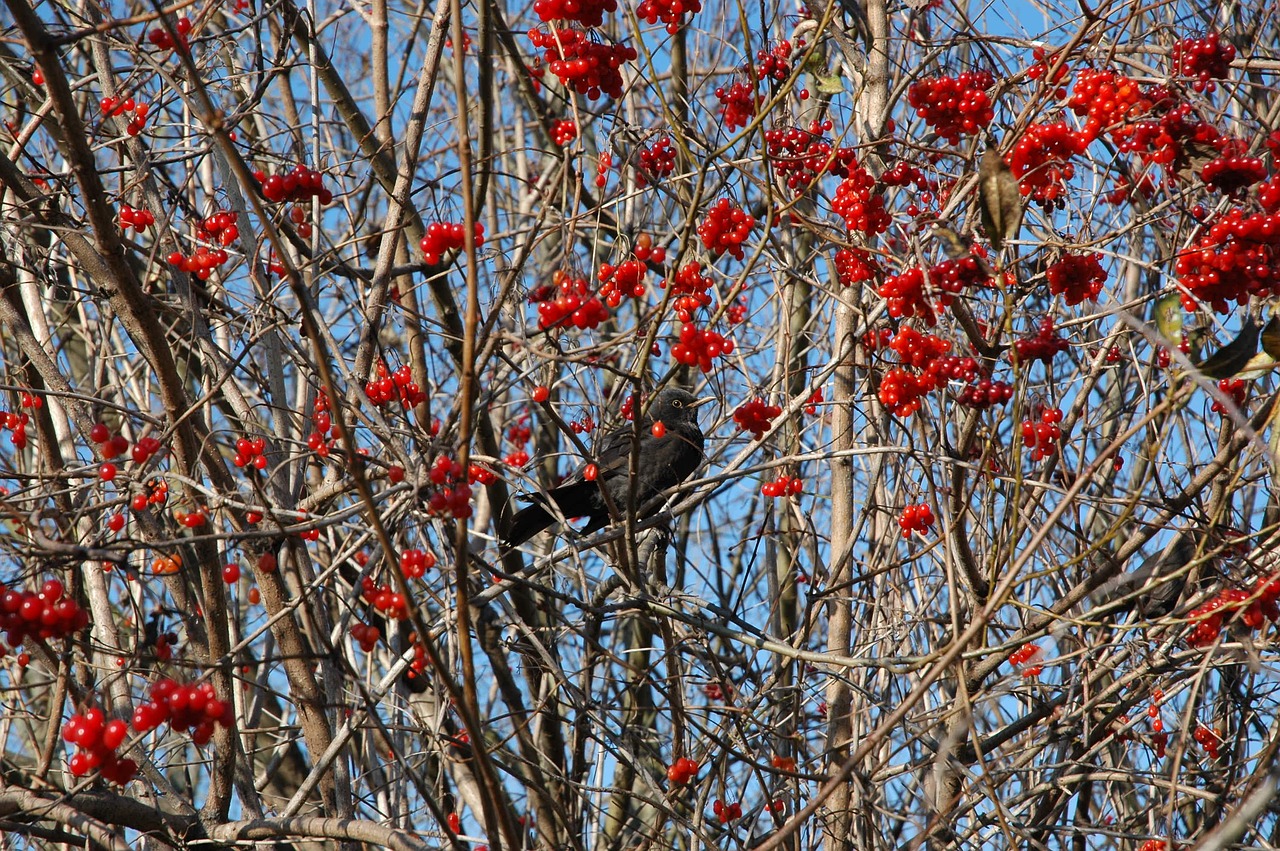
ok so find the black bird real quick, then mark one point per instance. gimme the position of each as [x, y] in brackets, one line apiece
[664, 462]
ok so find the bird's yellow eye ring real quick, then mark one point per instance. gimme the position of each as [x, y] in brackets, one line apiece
[676, 403]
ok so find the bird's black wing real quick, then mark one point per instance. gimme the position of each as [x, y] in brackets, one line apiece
[613, 455]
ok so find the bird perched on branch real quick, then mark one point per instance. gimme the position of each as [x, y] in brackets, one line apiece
[669, 450]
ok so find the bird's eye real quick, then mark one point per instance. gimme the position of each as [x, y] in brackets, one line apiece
[677, 403]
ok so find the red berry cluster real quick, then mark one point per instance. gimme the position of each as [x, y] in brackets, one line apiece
[586, 66]
[812, 403]
[301, 183]
[395, 386]
[1042, 437]
[915, 518]
[985, 393]
[415, 563]
[901, 390]
[1077, 276]
[1107, 98]
[366, 635]
[775, 63]
[1269, 194]
[384, 598]
[905, 295]
[1043, 346]
[1230, 173]
[184, 706]
[954, 106]
[960, 274]
[1210, 740]
[782, 486]
[1154, 845]
[1041, 160]
[16, 423]
[1235, 389]
[625, 279]
[119, 106]
[154, 492]
[756, 416]
[97, 740]
[160, 37]
[656, 161]
[564, 131]
[319, 440]
[139, 220]
[1238, 256]
[570, 302]
[1166, 140]
[603, 164]
[249, 452]
[219, 229]
[860, 204]
[442, 237]
[725, 228]
[588, 13]
[1252, 608]
[738, 104]
[1042, 62]
[451, 495]
[1206, 58]
[1027, 659]
[670, 12]
[682, 770]
[798, 157]
[855, 266]
[700, 346]
[726, 813]
[690, 286]
[42, 614]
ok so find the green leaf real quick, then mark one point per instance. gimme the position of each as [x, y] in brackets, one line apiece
[1168, 316]
[1234, 356]
[828, 85]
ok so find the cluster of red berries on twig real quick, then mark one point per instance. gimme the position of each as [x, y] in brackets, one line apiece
[564, 131]
[249, 453]
[621, 281]
[568, 302]
[451, 492]
[726, 813]
[1043, 346]
[443, 237]
[725, 228]
[582, 64]
[588, 13]
[219, 229]
[682, 771]
[1041, 160]
[954, 106]
[700, 347]
[301, 183]
[160, 38]
[670, 12]
[860, 203]
[1232, 172]
[394, 386]
[97, 741]
[915, 518]
[656, 161]
[756, 416]
[384, 598]
[784, 485]
[138, 219]
[738, 104]
[320, 441]
[1107, 99]
[1236, 257]
[1252, 608]
[1205, 58]
[120, 106]
[855, 266]
[1027, 659]
[691, 287]
[42, 614]
[1236, 390]
[1077, 277]
[1042, 436]
[799, 156]
[414, 563]
[183, 706]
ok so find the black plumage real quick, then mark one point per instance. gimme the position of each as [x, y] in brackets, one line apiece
[664, 462]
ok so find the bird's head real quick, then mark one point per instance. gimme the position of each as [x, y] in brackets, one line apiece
[675, 405]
